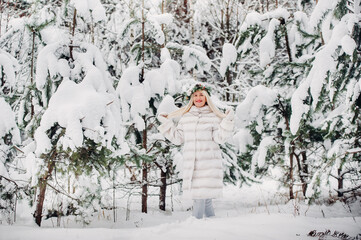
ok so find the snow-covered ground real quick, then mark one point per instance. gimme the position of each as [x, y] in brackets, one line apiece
[258, 212]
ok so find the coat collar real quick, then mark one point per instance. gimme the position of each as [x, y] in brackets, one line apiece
[195, 110]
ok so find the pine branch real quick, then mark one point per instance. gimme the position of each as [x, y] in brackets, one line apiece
[65, 194]
[349, 190]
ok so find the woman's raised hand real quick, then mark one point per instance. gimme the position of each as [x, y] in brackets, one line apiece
[162, 117]
[163, 114]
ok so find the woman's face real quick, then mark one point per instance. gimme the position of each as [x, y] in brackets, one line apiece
[199, 99]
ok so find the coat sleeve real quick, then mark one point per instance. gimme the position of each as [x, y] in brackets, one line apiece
[222, 130]
[171, 132]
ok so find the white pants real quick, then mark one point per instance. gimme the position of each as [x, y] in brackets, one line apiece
[202, 207]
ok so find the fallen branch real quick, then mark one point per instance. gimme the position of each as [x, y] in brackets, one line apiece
[336, 234]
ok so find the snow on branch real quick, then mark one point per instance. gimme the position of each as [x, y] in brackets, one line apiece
[323, 64]
[135, 95]
[7, 123]
[255, 18]
[322, 7]
[53, 64]
[251, 107]
[9, 65]
[155, 21]
[78, 109]
[267, 45]
[192, 56]
[229, 56]
[89, 9]
[259, 157]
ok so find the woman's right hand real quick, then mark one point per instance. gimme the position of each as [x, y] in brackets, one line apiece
[162, 117]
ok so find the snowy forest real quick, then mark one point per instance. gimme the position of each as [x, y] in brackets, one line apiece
[82, 82]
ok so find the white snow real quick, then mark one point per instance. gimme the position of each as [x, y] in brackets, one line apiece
[321, 8]
[326, 28]
[164, 54]
[267, 45]
[323, 64]
[157, 30]
[193, 56]
[243, 138]
[79, 109]
[252, 18]
[87, 109]
[255, 18]
[53, 34]
[262, 150]
[135, 96]
[7, 126]
[348, 45]
[354, 150]
[229, 56]
[277, 14]
[89, 9]
[165, 18]
[7, 123]
[254, 212]
[167, 105]
[9, 65]
[250, 108]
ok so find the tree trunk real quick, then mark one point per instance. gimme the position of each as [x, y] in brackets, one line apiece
[229, 83]
[144, 141]
[267, 5]
[163, 25]
[191, 7]
[32, 111]
[1, 15]
[8, 16]
[228, 22]
[71, 47]
[144, 187]
[42, 189]
[283, 22]
[284, 114]
[301, 171]
[143, 39]
[185, 10]
[291, 171]
[144, 173]
[114, 206]
[163, 190]
[340, 183]
[305, 172]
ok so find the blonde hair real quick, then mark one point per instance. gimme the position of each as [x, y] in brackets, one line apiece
[186, 108]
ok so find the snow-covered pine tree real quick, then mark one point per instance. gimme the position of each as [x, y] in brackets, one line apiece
[333, 92]
[9, 138]
[264, 116]
[19, 40]
[80, 134]
[294, 127]
[149, 75]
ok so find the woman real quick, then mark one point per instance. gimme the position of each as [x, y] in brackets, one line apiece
[201, 128]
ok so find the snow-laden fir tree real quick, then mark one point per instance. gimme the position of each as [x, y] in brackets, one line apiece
[80, 133]
[292, 123]
[9, 139]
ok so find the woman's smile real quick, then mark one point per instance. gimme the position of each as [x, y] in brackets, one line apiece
[199, 99]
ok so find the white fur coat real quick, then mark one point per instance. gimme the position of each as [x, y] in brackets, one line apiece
[201, 131]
